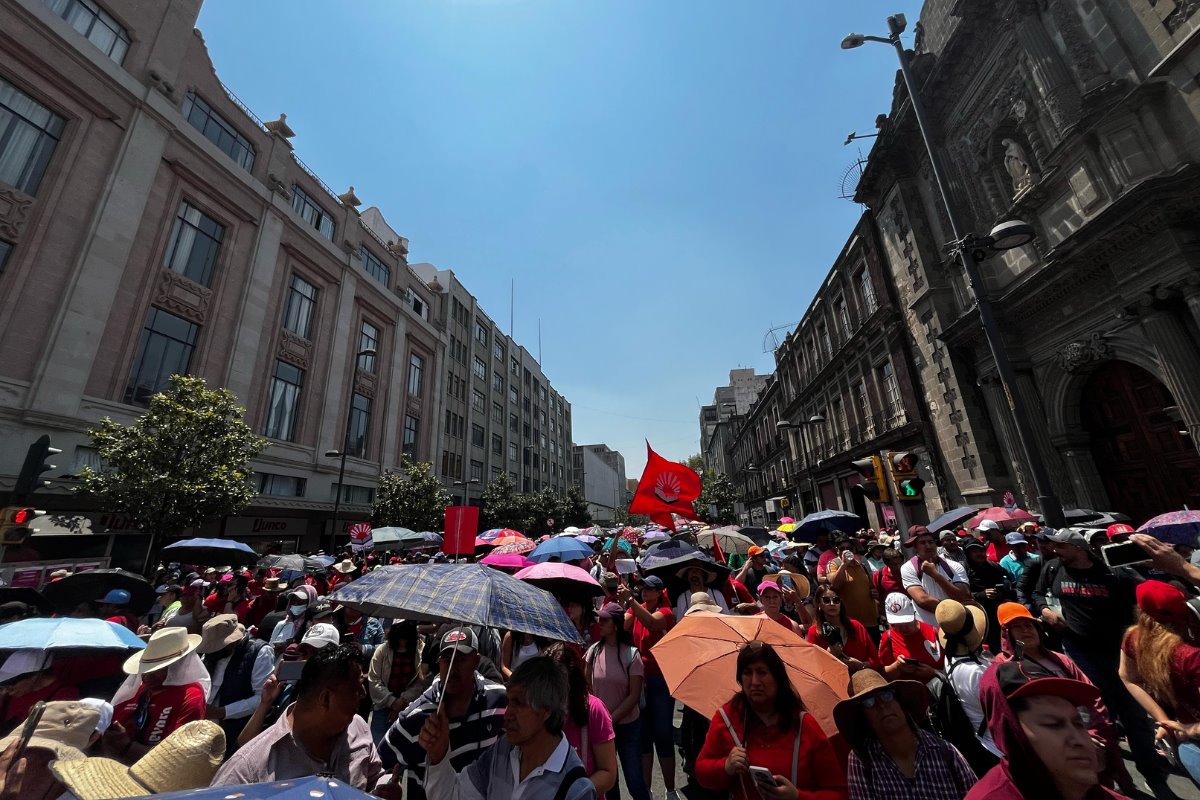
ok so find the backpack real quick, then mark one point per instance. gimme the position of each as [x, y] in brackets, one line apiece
[593, 653]
[949, 720]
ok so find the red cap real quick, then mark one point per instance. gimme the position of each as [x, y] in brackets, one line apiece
[1119, 529]
[914, 532]
[1162, 602]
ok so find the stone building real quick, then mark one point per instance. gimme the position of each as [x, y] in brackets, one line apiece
[761, 462]
[599, 474]
[718, 419]
[1082, 119]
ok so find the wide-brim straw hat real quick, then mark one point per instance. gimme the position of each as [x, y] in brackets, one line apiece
[187, 759]
[165, 647]
[344, 566]
[701, 603]
[710, 575]
[912, 696]
[961, 628]
[220, 632]
[800, 583]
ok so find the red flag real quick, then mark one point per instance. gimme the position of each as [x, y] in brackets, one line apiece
[665, 487]
[716, 550]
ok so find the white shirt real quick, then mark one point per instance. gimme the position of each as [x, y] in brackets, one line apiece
[264, 665]
[964, 677]
[910, 575]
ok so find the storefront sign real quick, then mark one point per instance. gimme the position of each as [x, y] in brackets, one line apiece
[265, 526]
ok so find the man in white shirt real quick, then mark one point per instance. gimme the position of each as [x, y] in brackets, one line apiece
[928, 578]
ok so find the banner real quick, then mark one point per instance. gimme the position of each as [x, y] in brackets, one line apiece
[360, 537]
[462, 526]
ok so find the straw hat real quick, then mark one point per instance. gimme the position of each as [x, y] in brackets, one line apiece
[344, 566]
[799, 582]
[220, 632]
[912, 696]
[165, 647]
[960, 628]
[701, 603]
[66, 729]
[187, 759]
[710, 575]
[273, 585]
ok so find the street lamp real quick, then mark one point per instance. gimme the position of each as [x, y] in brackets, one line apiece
[971, 249]
[815, 419]
[341, 455]
[465, 484]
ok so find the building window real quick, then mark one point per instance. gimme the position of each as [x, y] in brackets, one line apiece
[497, 444]
[496, 471]
[451, 465]
[476, 471]
[512, 451]
[826, 342]
[868, 291]
[891, 389]
[374, 267]
[29, 133]
[479, 368]
[412, 427]
[863, 401]
[498, 352]
[497, 413]
[5, 249]
[478, 402]
[843, 313]
[216, 129]
[368, 339]
[458, 312]
[280, 485]
[513, 423]
[94, 24]
[512, 478]
[355, 495]
[498, 382]
[312, 213]
[416, 373]
[195, 241]
[284, 403]
[481, 333]
[359, 425]
[301, 302]
[477, 435]
[165, 350]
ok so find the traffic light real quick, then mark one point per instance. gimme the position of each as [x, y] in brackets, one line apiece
[14, 522]
[909, 487]
[30, 480]
[874, 486]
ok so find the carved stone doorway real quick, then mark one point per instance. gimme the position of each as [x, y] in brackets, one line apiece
[1147, 465]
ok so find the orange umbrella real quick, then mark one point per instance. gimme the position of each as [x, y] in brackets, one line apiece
[698, 659]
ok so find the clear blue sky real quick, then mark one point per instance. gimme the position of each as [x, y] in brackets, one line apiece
[659, 177]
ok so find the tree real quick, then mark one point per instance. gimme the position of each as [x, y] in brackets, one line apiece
[623, 517]
[501, 506]
[716, 490]
[575, 509]
[182, 463]
[410, 497]
[696, 462]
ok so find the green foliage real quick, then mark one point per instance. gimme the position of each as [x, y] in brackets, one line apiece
[715, 490]
[503, 507]
[696, 462]
[182, 463]
[575, 509]
[623, 517]
[410, 497]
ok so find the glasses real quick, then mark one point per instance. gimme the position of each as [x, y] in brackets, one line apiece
[886, 696]
[831, 601]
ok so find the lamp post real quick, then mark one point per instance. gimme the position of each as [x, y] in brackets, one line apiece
[341, 454]
[465, 484]
[815, 419]
[971, 248]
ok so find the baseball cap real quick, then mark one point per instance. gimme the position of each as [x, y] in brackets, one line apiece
[1021, 678]
[972, 542]
[321, 634]
[611, 611]
[609, 580]
[1015, 538]
[899, 608]
[1045, 533]
[322, 608]
[1007, 612]
[1119, 529]
[116, 597]
[1162, 602]
[1069, 536]
[463, 640]
[652, 582]
[168, 587]
[765, 585]
[988, 525]
[946, 533]
[23, 662]
[914, 533]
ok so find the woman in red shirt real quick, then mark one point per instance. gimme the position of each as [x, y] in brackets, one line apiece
[852, 643]
[770, 597]
[765, 725]
[650, 620]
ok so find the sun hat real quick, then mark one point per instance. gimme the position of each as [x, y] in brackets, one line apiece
[116, 597]
[764, 586]
[165, 647]
[1019, 678]
[701, 603]
[321, 634]
[187, 759]
[65, 727]
[960, 628]
[1007, 612]
[1015, 539]
[912, 696]
[344, 566]
[273, 585]
[914, 533]
[800, 583]
[24, 662]
[1163, 603]
[1069, 536]
[988, 525]
[220, 632]
[710, 575]
[899, 608]
[652, 582]
[611, 611]
[463, 640]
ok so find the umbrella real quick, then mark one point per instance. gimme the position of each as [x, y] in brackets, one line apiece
[786, 528]
[506, 560]
[562, 549]
[786, 521]
[67, 593]
[561, 580]
[392, 535]
[509, 537]
[669, 551]
[22, 594]
[631, 534]
[952, 519]
[210, 552]
[594, 531]
[571, 529]
[1097, 519]
[807, 529]
[291, 562]
[759, 535]
[519, 547]
[586, 538]
[699, 663]
[60, 633]
[653, 536]
[470, 593]
[1174, 527]
[305, 788]
[1002, 516]
[620, 544]
[729, 539]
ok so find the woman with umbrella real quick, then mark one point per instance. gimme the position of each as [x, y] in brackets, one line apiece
[766, 725]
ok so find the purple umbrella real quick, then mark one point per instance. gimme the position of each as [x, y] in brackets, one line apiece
[1174, 527]
[561, 579]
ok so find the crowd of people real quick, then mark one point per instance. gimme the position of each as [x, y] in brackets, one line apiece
[978, 663]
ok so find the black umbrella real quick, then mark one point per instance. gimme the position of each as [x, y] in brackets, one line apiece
[290, 561]
[210, 552]
[760, 535]
[67, 593]
[32, 597]
[953, 518]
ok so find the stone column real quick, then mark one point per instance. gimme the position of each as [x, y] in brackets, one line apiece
[1179, 360]
[1051, 78]
[1031, 401]
[1006, 432]
[1191, 293]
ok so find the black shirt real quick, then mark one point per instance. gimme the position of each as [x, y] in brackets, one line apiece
[1097, 603]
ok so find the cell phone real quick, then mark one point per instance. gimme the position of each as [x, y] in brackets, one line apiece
[1123, 554]
[289, 671]
[762, 777]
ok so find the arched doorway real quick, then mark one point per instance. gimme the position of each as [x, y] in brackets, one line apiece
[1147, 462]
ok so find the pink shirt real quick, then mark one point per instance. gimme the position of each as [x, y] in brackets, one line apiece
[612, 669]
[600, 730]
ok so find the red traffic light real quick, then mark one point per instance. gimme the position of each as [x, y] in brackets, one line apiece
[22, 516]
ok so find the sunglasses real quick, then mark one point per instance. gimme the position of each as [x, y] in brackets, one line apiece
[831, 601]
[886, 696]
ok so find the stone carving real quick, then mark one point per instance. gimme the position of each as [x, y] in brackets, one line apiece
[1079, 353]
[1018, 166]
[182, 296]
[365, 383]
[14, 212]
[295, 350]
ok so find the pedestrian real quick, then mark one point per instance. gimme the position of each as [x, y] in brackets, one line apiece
[516, 647]
[928, 578]
[292, 626]
[874, 559]
[191, 614]
[701, 579]
[267, 602]
[891, 755]
[770, 600]
[617, 676]
[847, 639]
[989, 588]
[765, 725]
[993, 535]
[114, 607]
[849, 578]
[238, 665]
[359, 629]
[888, 579]
[588, 726]
[28, 677]
[961, 632]
[909, 648]
[395, 670]
[1018, 556]
[950, 547]
[754, 570]
[168, 603]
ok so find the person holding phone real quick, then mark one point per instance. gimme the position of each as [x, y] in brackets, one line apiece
[763, 743]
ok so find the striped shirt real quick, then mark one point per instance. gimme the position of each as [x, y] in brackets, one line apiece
[941, 772]
[469, 735]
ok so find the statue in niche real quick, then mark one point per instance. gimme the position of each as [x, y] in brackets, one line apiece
[1018, 166]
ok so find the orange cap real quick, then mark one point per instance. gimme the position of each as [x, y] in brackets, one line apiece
[1007, 612]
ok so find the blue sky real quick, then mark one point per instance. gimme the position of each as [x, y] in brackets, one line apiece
[659, 177]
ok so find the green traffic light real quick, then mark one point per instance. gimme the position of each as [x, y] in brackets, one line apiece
[909, 491]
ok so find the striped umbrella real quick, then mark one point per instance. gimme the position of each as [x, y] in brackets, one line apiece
[519, 547]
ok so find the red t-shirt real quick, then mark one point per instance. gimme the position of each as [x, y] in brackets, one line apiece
[16, 708]
[215, 604]
[1185, 678]
[126, 619]
[885, 583]
[995, 552]
[644, 638]
[859, 646]
[170, 707]
[823, 561]
[920, 646]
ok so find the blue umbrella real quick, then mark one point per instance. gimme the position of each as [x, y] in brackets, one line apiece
[953, 518]
[304, 788]
[818, 521]
[43, 633]
[471, 593]
[563, 549]
[211, 552]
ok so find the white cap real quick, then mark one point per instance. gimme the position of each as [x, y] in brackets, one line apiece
[24, 662]
[105, 709]
[899, 608]
[989, 525]
[321, 634]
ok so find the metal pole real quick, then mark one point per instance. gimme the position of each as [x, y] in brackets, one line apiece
[812, 482]
[1049, 503]
[337, 499]
[897, 507]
